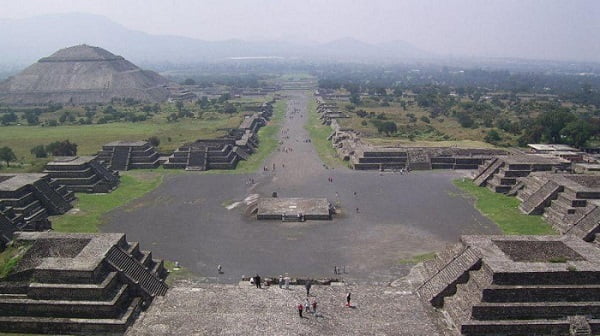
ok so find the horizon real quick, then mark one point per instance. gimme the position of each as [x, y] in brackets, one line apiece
[534, 29]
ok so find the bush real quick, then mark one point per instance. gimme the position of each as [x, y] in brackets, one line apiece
[154, 140]
[425, 120]
[39, 151]
[62, 148]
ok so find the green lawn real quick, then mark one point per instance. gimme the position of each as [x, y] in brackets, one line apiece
[503, 210]
[267, 142]
[93, 206]
[318, 136]
[90, 138]
[418, 258]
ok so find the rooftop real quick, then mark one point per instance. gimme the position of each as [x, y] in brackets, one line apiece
[12, 182]
[531, 254]
[71, 160]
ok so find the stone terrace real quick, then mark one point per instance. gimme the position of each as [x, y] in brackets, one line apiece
[516, 285]
[503, 173]
[26, 201]
[203, 309]
[78, 284]
[569, 202]
[82, 174]
[125, 155]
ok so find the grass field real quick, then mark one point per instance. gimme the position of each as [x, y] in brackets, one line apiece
[91, 207]
[503, 210]
[318, 135]
[90, 138]
[267, 141]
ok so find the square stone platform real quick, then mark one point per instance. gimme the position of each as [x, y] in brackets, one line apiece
[293, 208]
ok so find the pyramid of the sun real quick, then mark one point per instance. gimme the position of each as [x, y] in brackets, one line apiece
[82, 74]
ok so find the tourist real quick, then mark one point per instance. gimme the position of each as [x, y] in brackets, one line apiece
[300, 307]
[357, 210]
[219, 269]
[287, 281]
[307, 306]
[280, 281]
[257, 281]
[314, 307]
[348, 299]
[308, 285]
[335, 270]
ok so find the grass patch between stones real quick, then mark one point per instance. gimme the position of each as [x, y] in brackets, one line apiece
[93, 206]
[418, 258]
[503, 210]
[10, 257]
[318, 134]
[267, 142]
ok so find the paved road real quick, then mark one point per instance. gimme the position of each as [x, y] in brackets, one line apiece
[185, 219]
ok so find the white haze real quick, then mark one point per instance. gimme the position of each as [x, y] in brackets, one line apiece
[534, 29]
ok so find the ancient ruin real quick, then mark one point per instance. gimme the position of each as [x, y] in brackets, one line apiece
[80, 75]
[224, 152]
[503, 174]
[26, 201]
[125, 155]
[516, 285]
[569, 202]
[363, 156]
[294, 209]
[82, 174]
[78, 284]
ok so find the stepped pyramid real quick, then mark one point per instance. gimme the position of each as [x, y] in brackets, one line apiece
[82, 74]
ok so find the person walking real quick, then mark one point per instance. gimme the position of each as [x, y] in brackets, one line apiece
[300, 307]
[307, 305]
[348, 299]
[287, 281]
[280, 282]
[308, 285]
[314, 307]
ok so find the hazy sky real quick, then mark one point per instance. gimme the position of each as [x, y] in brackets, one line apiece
[546, 29]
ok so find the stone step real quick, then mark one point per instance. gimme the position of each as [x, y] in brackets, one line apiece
[75, 326]
[53, 291]
[66, 308]
[490, 169]
[134, 270]
[515, 328]
[542, 198]
[441, 284]
[541, 293]
[534, 310]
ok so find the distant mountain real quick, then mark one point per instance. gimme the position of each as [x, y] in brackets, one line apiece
[24, 41]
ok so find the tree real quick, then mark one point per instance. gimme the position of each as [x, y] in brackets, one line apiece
[62, 148]
[8, 118]
[229, 108]
[179, 105]
[39, 151]
[577, 133]
[189, 81]
[7, 155]
[32, 118]
[492, 136]
[355, 98]
[224, 97]
[553, 122]
[154, 140]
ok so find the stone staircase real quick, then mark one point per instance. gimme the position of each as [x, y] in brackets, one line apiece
[487, 171]
[196, 159]
[120, 158]
[150, 283]
[104, 172]
[52, 200]
[447, 274]
[535, 203]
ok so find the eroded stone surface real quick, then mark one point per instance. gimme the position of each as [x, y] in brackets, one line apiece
[241, 309]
